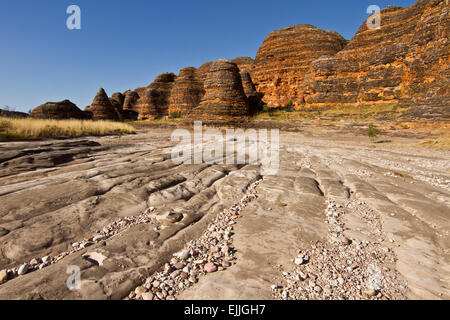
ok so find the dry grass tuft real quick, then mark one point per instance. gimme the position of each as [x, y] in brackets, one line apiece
[32, 129]
[442, 142]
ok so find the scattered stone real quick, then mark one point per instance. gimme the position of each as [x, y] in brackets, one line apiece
[35, 261]
[99, 238]
[346, 241]
[370, 292]
[140, 290]
[210, 267]
[46, 259]
[147, 296]
[3, 276]
[23, 269]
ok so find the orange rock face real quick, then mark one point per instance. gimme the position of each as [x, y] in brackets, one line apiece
[154, 100]
[244, 63]
[405, 60]
[284, 58]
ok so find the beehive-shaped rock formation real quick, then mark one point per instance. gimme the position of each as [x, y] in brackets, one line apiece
[224, 95]
[285, 57]
[186, 93]
[102, 108]
[154, 100]
[405, 60]
[254, 98]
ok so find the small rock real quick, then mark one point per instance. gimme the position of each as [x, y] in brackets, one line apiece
[346, 241]
[176, 273]
[23, 269]
[35, 261]
[183, 255]
[167, 268]
[156, 284]
[210, 267]
[299, 261]
[86, 244]
[370, 293]
[161, 295]
[46, 259]
[140, 290]
[42, 265]
[179, 265]
[99, 238]
[226, 264]
[3, 276]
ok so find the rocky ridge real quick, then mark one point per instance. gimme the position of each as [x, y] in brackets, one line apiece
[406, 60]
[59, 110]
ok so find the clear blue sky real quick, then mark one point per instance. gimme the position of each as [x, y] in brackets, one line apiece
[124, 44]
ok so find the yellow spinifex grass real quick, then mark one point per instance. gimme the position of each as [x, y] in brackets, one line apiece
[441, 142]
[31, 129]
[348, 112]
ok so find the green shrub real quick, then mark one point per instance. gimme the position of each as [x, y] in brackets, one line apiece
[373, 131]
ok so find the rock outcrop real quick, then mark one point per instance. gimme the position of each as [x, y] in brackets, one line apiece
[13, 114]
[119, 98]
[59, 110]
[224, 94]
[244, 63]
[102, 108]
[130, 100]
[186, 93]
[406, 60]
[154, 100]
[254, 98]
[284, 58]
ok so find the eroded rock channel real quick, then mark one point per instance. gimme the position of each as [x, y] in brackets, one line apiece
[340, 220]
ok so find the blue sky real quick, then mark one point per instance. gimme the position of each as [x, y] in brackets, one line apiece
[124, 44]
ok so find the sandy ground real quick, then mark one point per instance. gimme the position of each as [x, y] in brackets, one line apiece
[391, 201]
